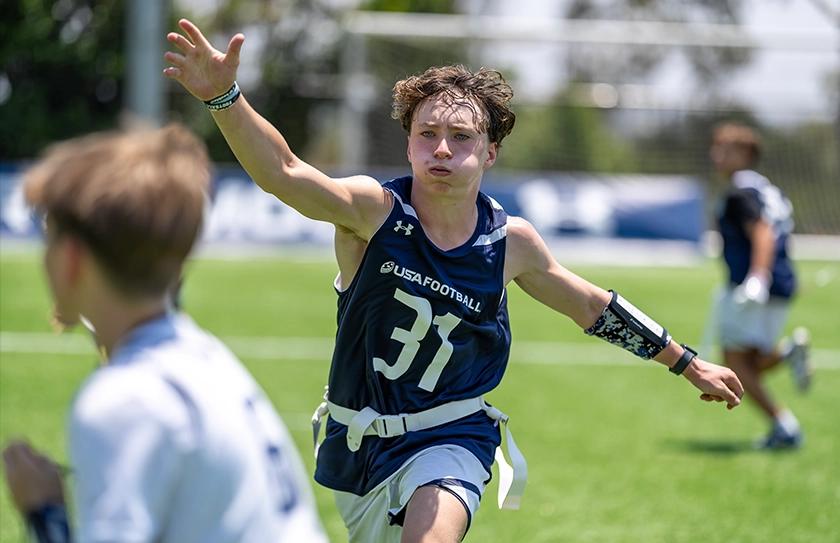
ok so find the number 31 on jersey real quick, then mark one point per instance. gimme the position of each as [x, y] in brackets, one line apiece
[411, 341]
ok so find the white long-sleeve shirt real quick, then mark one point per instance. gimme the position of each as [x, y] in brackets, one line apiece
[173, 441]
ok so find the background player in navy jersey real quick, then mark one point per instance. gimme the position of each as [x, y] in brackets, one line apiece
[422, 312]
[755, 221]
[171, 440]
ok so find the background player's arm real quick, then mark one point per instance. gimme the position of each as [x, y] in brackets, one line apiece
[358, 203]
[529, 262]
[763, 241]
[746, 207]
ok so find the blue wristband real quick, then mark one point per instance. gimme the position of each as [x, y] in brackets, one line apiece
[48, 524]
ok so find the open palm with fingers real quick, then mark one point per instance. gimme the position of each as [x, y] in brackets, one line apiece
[200, 68]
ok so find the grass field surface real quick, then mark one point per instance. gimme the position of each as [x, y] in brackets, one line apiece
[619, 450]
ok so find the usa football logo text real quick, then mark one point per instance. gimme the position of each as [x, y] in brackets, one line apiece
[430, 283]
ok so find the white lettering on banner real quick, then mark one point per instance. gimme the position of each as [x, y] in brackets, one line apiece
[431, 284]
[15, 215]
[243, 212]
[592, 204]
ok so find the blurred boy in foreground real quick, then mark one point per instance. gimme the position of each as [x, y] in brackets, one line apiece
[171, 440]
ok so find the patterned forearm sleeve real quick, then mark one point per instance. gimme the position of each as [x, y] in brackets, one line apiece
[624, 325]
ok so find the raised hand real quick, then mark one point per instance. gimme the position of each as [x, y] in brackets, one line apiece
[718, 384]
[203, 70]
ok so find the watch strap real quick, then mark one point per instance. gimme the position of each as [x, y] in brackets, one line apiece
[688, 355]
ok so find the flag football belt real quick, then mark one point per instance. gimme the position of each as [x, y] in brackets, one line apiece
[513, 474]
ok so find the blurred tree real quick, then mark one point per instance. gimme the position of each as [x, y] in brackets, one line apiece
[569, 133]
[623, 64]
[294, 74]
[61, 71]
[804, 161]
[414, 6]
[390, 60]
[62, 64]
[565, 138]
[299, 84]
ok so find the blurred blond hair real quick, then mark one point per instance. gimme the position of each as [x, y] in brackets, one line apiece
[135, 199]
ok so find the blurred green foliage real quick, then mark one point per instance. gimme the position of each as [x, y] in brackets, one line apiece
[63, 61]
[621, 64]
[566, 138]
[62, 74]
[298, 62]
[416, 6]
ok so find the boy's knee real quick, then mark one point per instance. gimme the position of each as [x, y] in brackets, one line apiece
[434, 515]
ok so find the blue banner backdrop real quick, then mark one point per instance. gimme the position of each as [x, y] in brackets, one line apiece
[558, 204]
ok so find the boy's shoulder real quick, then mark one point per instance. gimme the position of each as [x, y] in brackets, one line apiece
[119, 396]
[749, 180]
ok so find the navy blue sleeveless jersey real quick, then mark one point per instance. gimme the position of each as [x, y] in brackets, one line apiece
[753, 197]
[417, 327]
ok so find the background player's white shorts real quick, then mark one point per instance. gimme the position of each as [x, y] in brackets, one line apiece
[750, 325]
[377, 516]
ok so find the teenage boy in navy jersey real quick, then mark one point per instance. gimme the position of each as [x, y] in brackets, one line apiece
[422, 311]
[755, 221]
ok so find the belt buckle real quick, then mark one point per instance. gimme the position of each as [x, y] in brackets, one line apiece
[390, 425]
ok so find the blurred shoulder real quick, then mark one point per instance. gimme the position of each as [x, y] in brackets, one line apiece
[749, 180]
[119, 397]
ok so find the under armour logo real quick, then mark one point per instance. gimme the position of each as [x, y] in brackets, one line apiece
[407, 229]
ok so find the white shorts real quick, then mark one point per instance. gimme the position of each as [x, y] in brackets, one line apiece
[750, 325]
[377, 516]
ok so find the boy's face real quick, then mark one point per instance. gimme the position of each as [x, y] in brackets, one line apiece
[729, 157]
[447, 148]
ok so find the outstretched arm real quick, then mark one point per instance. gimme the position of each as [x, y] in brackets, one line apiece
[529, 262]
[357, 203]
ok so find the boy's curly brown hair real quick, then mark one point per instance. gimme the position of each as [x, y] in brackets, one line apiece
[485, 87]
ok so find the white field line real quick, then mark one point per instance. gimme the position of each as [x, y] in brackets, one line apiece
[320, 349]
